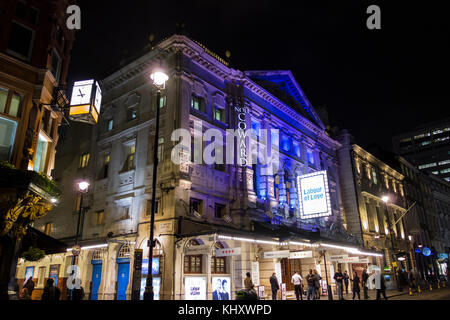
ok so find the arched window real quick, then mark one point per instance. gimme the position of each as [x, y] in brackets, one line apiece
[124, 252]
[97, 254]
[218, 264]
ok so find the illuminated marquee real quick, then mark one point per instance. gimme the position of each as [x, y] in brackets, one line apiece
[314, 196]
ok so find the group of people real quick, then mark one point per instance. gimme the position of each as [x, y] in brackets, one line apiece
[343, 279]
[313, 290]
[50, 292]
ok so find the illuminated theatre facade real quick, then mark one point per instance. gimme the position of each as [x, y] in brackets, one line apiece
[214, 222]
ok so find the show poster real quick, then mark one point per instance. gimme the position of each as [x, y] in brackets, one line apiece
[261, 293]
[195, 288]
[155, 266]
[314, 195]
[29, 273]
[54, 273]
[221, 287]
[156, 288]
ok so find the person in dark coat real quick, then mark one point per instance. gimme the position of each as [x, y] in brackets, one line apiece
[274, 285]
[365, 278]
[78, 293]
[346, 278]
[51, 293]
[29, 284]
[338, 276]
[355, 282]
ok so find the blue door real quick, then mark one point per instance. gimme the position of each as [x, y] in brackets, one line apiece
[96, 278]
[122, 280]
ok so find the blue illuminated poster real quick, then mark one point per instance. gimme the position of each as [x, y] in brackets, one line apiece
[156, 288]
[29, 272]
[155, 266]
[54, 273]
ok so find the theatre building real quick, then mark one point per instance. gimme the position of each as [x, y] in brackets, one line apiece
[214, 222]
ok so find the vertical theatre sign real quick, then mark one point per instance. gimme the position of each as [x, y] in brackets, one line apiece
[314, 195]
[241, 112]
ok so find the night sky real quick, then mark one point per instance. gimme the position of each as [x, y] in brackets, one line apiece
[376, 83]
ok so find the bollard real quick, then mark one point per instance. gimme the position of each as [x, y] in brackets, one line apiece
[431, 288]
[418, 289]
[439, 286]
[410, 291]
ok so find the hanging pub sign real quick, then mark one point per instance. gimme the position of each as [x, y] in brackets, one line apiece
[85, 102]
[314, 195]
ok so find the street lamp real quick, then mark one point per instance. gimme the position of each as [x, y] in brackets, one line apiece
[391, 231]
[159, 79]
[82, 187]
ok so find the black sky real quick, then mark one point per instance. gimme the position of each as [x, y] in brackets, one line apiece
[376, 83]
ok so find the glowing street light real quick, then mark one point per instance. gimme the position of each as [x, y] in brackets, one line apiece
[83, 186]
[159, 79]
[385, 199]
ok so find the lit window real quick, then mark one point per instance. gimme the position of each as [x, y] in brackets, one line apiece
[441, 163]
[41, 276]
[310, 157]
[48, 228]
[56, 65]
[197, 103]
[192, 264]
[106, 166]
[428, 165]
[3, 99]
[274, 137]
[286, 143]
[162, 101]
[297, 150]
[445, 171]
[110, 125]
[7, 135]
[219, 115]
[99, 217]
[374, 176]
[40, 158]
[84, 160]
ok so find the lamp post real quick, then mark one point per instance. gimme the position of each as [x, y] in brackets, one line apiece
[391, 230]
[329, 292]
[82, 187]
[159, 79]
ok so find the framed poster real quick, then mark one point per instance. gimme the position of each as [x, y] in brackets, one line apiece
[283, 291]
[54, 273]
[155, 266]
[221, 287]
[29, 272]
[261, 293]
[314, 195]
[194, 288]
[156, 288]
[255, 273]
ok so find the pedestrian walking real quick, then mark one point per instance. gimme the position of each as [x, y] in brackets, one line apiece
[274, 286]
[51, 293]
[311, 280]
[365, 279]
[380, 285]
[297, 282]
[355, 286]
[317, 285]
[346, 278]
[338, 277]
[29, 284]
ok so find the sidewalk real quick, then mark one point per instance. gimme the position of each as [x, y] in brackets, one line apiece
[372, 294]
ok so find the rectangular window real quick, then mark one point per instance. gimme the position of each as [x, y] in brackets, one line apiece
[219, 210]
[132, 114]
[196, 206]
[48, 228]
[56, 65]
[129, 163]
[374, 176]
[41, 276]
[428, 165]
[310, 155]
[110, 125]
[297, 151]
[285, 143]
[84, 160]
[162, 101]
[160, 149]
[441, 163]
[149, 207]
[100, 217]
[14, 107]
[218, 265]
[40, 158]
[197, 103]
[126, 213]
[7, 135]
[219, 115]
[20, 41]
[193, 264]
[3, 99]
[106, 166]
[274, 137]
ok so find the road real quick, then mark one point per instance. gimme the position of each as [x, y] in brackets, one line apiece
[436, 294]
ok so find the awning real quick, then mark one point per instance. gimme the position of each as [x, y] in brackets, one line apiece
[38, 239]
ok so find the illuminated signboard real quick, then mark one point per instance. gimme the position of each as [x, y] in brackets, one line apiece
[221, 287]
[314, 195]
[195, 288]
[155, 266]
[85, 102]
